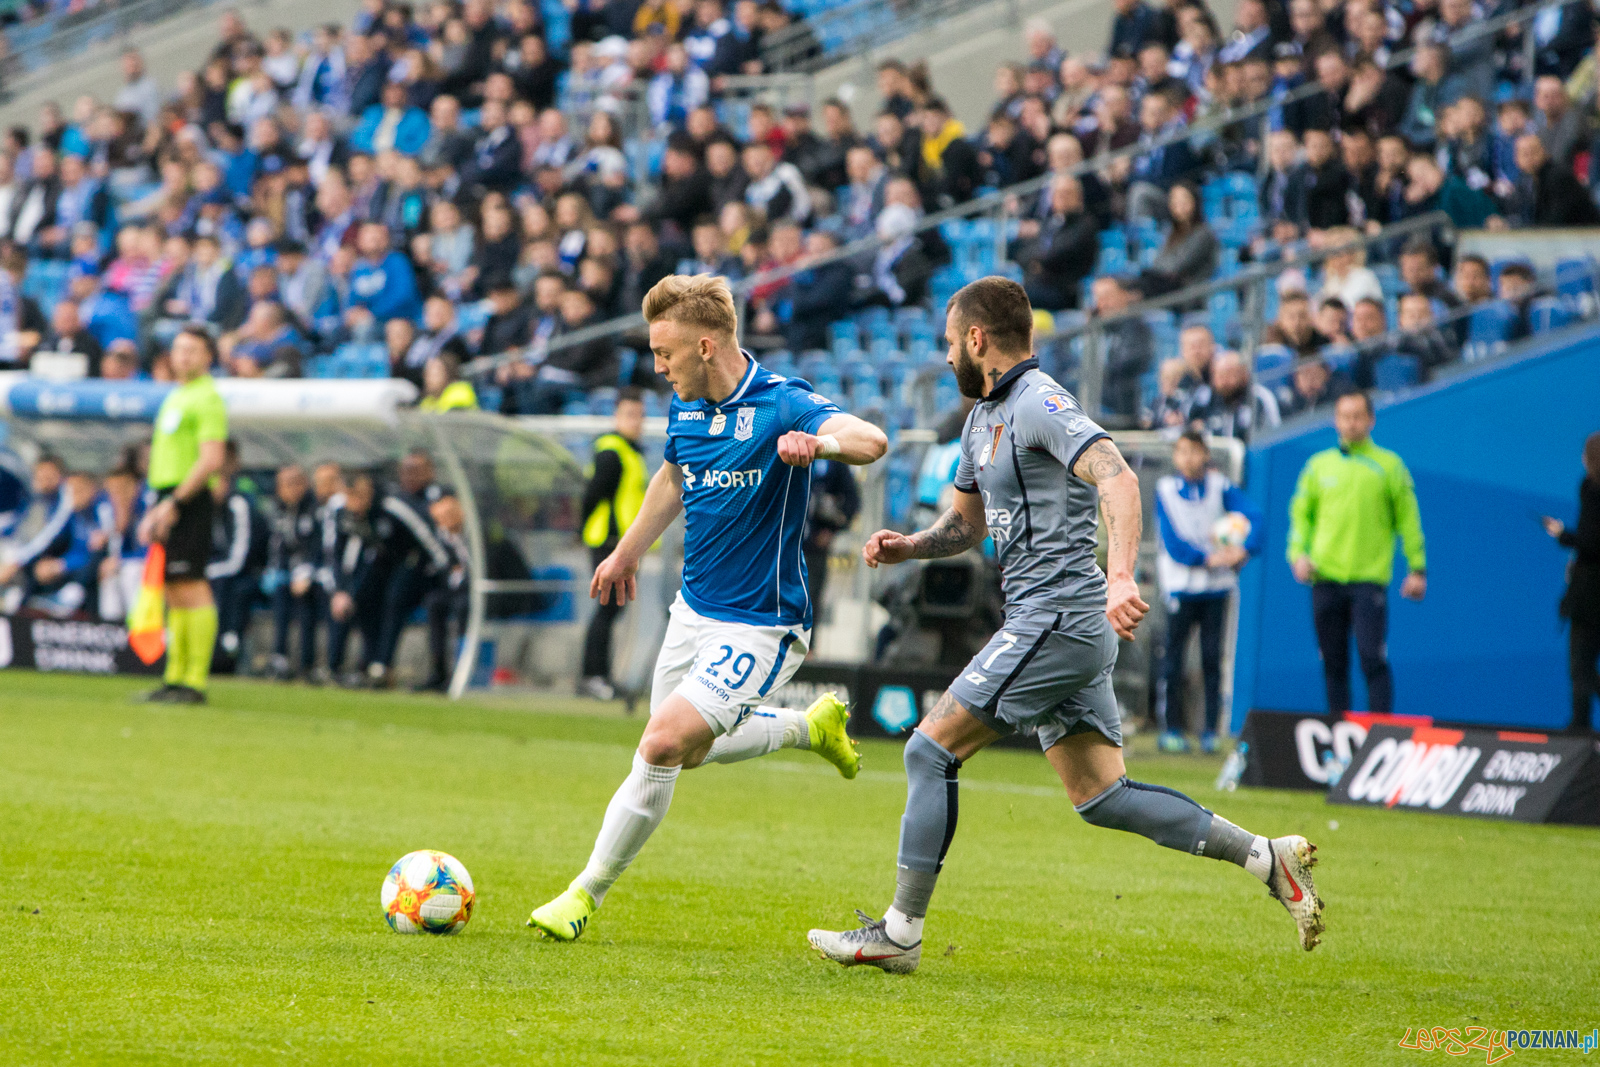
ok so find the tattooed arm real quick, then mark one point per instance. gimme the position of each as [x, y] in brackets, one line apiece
[956, 531]
[1102, 466]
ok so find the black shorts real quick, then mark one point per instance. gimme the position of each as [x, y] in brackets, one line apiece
[189, 540]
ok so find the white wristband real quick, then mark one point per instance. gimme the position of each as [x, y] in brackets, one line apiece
[828, 445]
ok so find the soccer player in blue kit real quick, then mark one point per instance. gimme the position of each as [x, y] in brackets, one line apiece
[1034, 471]
[738, 440]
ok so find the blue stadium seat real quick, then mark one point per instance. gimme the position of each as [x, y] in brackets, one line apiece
[375, 361]
[1240, 185]
[827, 382]
[1111, 261]
[779, 361]
[1396, 371]
[1491, 323]
[1340, 358]
[1273, 360]
[1575, 276]
[909, 320]
[602, 401]
[1389, 279]
[870, 316]
[1550, 313]
[472, 316]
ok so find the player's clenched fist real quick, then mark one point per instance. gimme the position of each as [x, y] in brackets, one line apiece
[798, 449]
[614, 581]
[888, 547]
[1124, 607]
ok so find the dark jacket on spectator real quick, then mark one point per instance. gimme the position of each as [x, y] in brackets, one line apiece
[594, 362]
[1383, 112]
[505, 332]
[366, 84]
[1561, 54]
[728, 188]
[1055, 262]
[1581, 604]
[1130, 32]
[1129, 350]
[83, 342]
[1191, 260]
[1560, 200]
[496, 161]
[819, 295]
[682, 200]
[1429, 346]
[1327, 191]
[1283, 195]
[955, 179]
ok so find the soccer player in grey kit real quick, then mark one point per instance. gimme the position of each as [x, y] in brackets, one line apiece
[1033, 470]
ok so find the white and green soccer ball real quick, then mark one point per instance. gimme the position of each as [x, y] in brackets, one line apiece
[427, 892]
[1231, 530]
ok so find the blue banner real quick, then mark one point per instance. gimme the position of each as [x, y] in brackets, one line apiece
[120, 401]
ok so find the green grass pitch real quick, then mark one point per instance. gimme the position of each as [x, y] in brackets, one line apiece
[201, 885]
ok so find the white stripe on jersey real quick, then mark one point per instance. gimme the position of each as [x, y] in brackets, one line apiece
[750, 376]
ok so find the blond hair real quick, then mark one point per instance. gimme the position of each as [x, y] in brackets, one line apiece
[700, 300]
[1335, 236]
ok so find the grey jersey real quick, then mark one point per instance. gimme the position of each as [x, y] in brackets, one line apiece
[1018, 450]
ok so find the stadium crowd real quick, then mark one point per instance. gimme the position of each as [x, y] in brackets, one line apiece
[426, 186]
[329, 551]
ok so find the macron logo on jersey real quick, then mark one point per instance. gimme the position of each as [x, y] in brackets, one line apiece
[691, 416]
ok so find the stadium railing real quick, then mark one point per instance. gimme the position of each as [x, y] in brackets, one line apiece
[832, 34]
[1248, 301]
[40, 43]
[645, 141]
[1237, 310]
[1001, 204]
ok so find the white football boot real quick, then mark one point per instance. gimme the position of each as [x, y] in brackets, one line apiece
[868, 946]
[1290, 881]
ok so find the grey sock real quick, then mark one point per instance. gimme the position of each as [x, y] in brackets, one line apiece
[928, 824]
[1164, 815]
[913, 890]
[1225, 841]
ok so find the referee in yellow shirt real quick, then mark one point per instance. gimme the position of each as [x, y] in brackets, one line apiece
[186, 452]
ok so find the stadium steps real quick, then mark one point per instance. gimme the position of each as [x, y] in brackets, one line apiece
[962, 52]
[181, 42]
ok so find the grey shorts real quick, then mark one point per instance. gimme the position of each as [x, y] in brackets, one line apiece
[1048, 671]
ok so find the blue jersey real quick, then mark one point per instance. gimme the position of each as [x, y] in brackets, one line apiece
[744, 508]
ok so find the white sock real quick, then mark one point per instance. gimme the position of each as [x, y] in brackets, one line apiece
[1259, 862]
[635, 811]
[766, 730]
[902, 929]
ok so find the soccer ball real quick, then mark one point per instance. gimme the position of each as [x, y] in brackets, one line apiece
[1231, 530]
[427, 892]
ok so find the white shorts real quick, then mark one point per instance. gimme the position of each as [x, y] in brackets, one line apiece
[724, 668]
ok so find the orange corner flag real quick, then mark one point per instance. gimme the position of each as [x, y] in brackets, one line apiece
[146, 634]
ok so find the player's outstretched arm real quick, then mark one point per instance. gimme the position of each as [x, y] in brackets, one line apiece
[957, 530]
[663, 499]
[843, 437]
[1102, 466]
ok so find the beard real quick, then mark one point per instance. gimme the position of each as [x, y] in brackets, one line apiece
[969, 377]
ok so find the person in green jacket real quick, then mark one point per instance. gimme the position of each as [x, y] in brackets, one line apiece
[1349, 504]
[443, 389]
